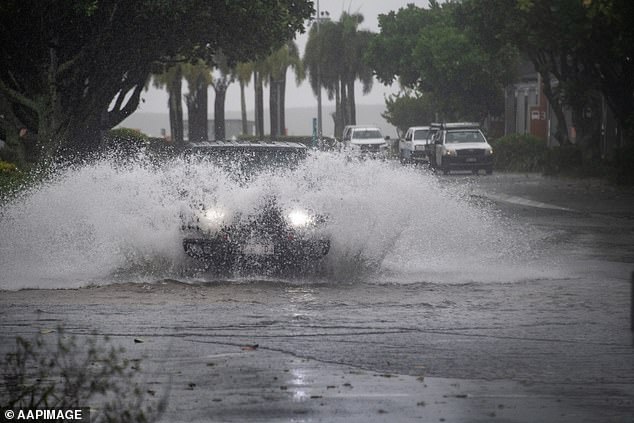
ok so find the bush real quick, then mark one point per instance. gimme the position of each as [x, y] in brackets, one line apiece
[10, 178]
[564, 160]
[519, 153]
[125, 140]
[70, 374]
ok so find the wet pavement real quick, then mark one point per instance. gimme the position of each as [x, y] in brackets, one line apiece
[549, 342]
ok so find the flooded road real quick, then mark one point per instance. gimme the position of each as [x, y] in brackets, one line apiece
[460, 298]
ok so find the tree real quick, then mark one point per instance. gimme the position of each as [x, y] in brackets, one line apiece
[172, 79]
[334, 61]
[243, 74]
[198, 77]
[276, 66]
[428, 51]
[582, 46]
[223, 76]
[408, 108]
[70, 70]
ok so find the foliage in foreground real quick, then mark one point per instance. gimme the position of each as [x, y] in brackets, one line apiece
[69, 373]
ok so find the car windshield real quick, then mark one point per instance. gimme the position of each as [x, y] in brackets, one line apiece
[366, 134]
[245, 161]
[454, 137]
[421, 135]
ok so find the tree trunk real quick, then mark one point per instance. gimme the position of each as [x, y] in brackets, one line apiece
[219, 112]
[352, 108]
[343, 110]
[282, 89]
[243, 110]
[174, 89]
[259, 104]
[197, 112]
[337, 115]
[273, 106]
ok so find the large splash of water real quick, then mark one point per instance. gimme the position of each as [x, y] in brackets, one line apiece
[90, 224]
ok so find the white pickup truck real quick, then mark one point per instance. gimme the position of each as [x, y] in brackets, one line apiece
[460, 146]
[364, 141]
[413, 147]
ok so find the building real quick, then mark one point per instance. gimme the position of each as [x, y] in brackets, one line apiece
[527, 111]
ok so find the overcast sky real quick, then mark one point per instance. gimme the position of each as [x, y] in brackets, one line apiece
[302, 96]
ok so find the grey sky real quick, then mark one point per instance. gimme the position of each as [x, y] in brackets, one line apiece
[302, 96]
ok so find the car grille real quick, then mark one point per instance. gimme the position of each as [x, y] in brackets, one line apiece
[370, 148]
[470, 152]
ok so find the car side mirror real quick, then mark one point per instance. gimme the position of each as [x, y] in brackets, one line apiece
[387, 138]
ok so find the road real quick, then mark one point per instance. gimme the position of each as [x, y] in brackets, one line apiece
[538, 334]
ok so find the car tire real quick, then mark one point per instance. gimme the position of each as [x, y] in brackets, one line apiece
[489, 170]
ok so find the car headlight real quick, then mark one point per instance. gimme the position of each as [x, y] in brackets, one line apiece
[488, 152]
[300, 218]
[449, 152]
[212, 220]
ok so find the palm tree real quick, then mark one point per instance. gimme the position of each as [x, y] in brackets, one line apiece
[243, 74]
[172, 79]
[354, 42]
[276, 66]
[258, 76]
[220, 82]
[198, 77]
[334, 56]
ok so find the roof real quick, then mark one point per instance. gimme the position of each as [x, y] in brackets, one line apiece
[460, 125]
[237, 144]
[364, 128]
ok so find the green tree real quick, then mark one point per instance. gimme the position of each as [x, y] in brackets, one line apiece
[429, 51]
[581, 46]
[222, 78]
[277, 65]
[172, 79]
[69, 70]
[334, 61]
[198, 77]
[244, 71]
[408, 108]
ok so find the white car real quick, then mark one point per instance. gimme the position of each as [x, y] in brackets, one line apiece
[413, 147]
[365, 141]
[461, 146]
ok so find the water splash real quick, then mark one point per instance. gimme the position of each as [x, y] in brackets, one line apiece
[106, 221]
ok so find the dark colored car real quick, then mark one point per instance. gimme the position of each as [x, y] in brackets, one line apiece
[274, 237]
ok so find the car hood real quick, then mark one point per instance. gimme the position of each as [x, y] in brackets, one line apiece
[368, 141]
[468, 146]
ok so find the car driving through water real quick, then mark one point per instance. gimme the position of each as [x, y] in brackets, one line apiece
[274, 236]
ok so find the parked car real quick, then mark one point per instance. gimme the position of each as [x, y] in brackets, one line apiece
[460, 146]
[365, 141]
[412, 148]
[275, 236]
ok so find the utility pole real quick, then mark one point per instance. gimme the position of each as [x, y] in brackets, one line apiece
[319, 120]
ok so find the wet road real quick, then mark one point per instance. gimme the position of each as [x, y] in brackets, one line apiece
[550, 342]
